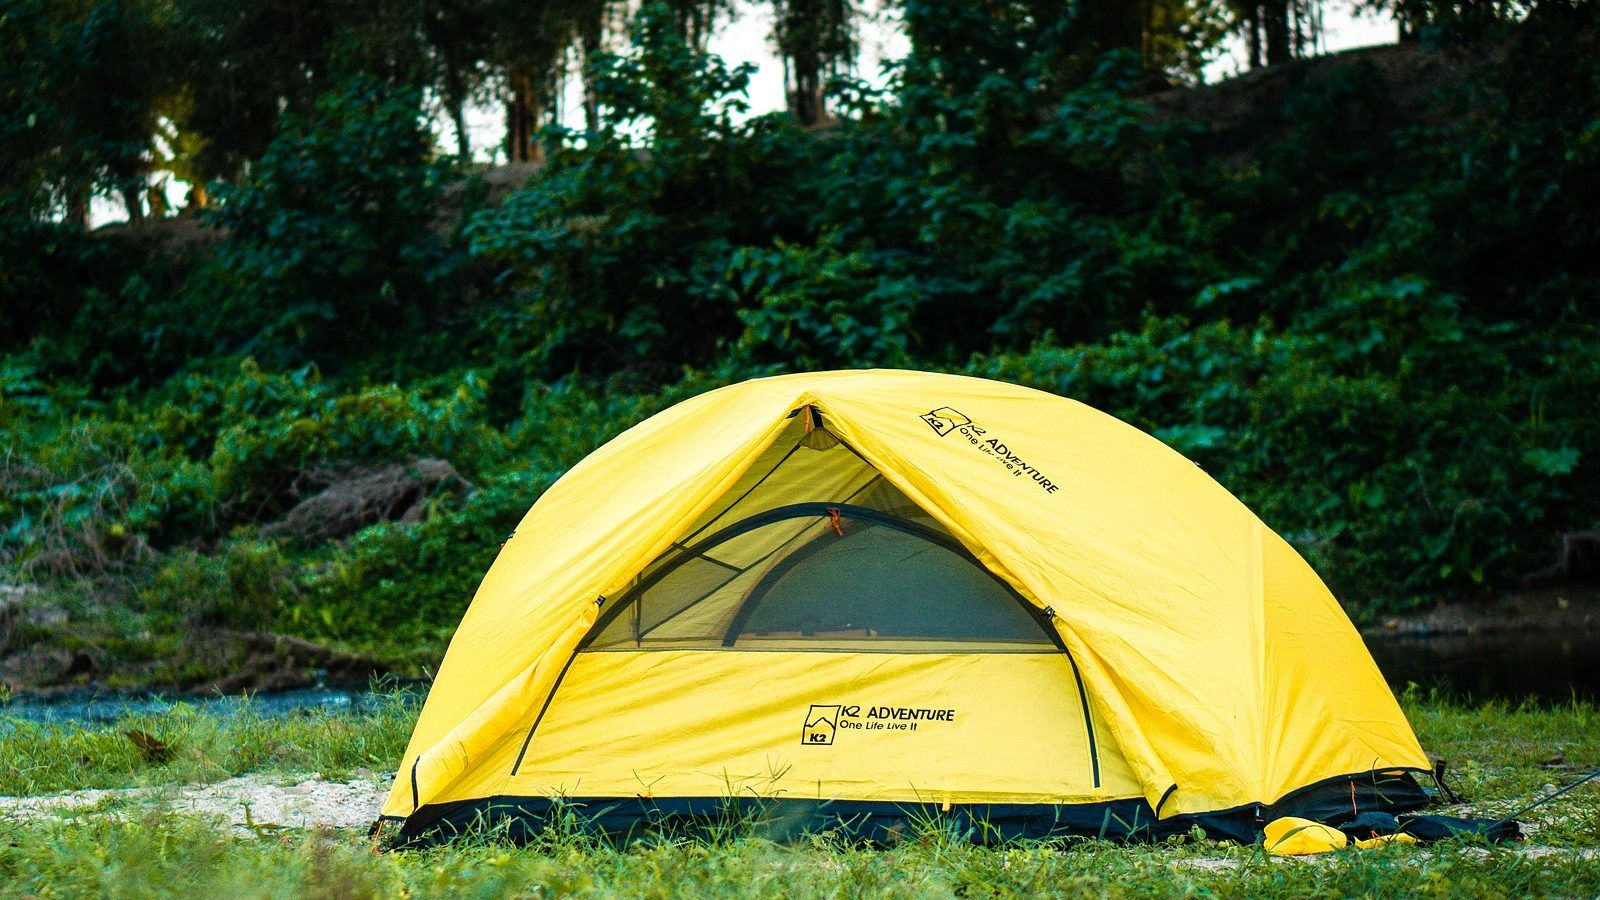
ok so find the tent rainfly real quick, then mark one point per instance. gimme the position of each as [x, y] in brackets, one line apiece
[855, 599]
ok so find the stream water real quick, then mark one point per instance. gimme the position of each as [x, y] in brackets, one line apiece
[91, 709]
[1549, 667]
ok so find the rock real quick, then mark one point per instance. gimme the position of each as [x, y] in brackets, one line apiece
[356, 498]
[23, 604]
[1578, 560]
[81, 663]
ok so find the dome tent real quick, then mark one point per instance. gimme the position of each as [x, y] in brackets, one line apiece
[859, 597]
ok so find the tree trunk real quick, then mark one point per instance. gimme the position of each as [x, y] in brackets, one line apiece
[78, 207]
[1275, 20]
[694, 18]
[1252, 26]
[806, 100]
[133, 202]
[519, 119]
[458, 117]
[591, 40]
[804, 66]
[455, 98]
[1410, 19]
[522, 118]
[1147, 31]
[157, 195]
[814, 39]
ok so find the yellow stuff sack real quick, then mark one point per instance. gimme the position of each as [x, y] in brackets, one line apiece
[1293, 836]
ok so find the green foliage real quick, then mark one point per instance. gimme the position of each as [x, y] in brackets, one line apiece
[616, 246]
[331, 242]
[244, 585]
[52, 756]
[36, 260]
[262, 430]
[679, 94]
[818, 308]
[243, 64]
[93, 495]
[398, 590]
[82, 496]
[79, 81]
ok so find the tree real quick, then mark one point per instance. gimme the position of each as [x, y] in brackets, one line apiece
[87, 83]
[695, 20]
[1413, 17]
[594, 20]
[459, 38]
[528, 50]
[606, 246]
[1277, 31]
[1179, 37]
[816, 39]
[244, 63]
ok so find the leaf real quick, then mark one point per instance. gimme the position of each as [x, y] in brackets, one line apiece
[1211, 293]
[1553, 463]
[1187, 439]
[150, 747]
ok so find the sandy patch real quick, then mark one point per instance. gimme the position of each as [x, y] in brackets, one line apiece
[248, 802]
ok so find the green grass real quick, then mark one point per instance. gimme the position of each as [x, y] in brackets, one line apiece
[159, 856]
[1504, 755]
[39, 757]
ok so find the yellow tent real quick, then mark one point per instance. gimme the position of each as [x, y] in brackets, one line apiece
[867, 596]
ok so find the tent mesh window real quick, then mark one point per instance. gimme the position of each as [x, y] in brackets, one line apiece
[815, 576]
[861, 567]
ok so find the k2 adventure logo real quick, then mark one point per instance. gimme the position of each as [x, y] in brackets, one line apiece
[825, 721]
[822, 723]
[945, 420]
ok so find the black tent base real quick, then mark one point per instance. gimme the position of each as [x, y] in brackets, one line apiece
[527, 819]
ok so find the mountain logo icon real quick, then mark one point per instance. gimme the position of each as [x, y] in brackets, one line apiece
[821, 724]
[945, 420]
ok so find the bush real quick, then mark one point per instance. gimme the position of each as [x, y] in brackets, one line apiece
[245, 585]
[264, 431]
[331, 243]
[84, 493]
[616, 249]
[819, 308]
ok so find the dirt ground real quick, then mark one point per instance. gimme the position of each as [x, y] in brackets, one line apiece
[1573, 608]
